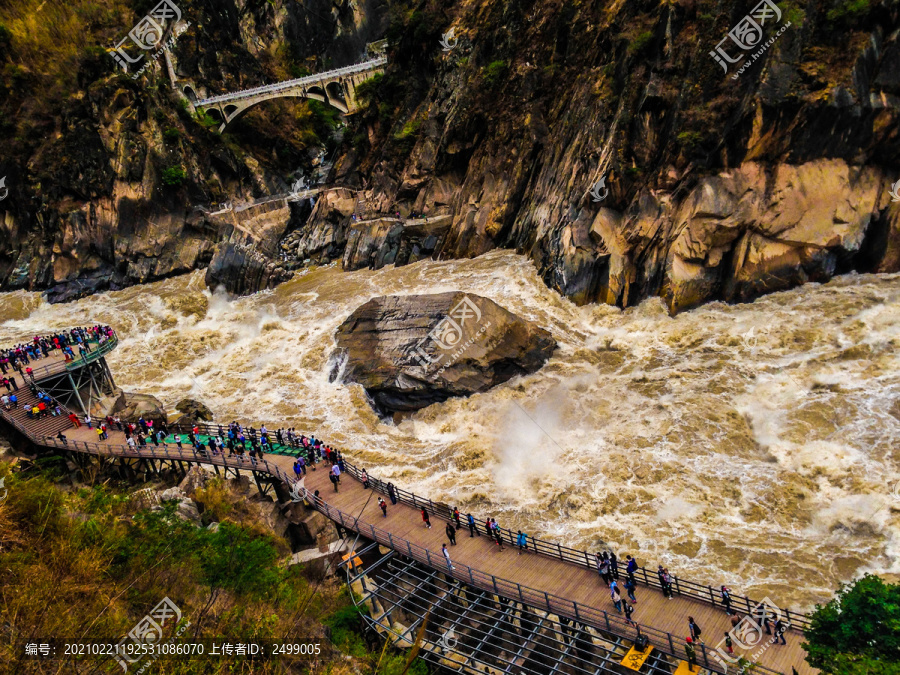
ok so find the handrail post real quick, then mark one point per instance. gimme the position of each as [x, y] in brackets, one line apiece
[559, 548]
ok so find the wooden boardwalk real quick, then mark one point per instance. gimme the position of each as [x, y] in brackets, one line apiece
[540, 572]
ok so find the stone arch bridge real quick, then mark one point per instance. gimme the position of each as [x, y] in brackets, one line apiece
[336, 88]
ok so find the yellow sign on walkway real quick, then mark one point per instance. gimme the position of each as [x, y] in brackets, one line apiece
[684, 670]
[356, 563]
[635, 659]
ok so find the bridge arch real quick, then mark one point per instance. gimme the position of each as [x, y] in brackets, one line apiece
[335, 91]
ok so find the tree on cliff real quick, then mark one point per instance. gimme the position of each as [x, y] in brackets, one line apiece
[858, 632]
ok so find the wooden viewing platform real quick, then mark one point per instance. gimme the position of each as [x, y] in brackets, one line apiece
[548, 582]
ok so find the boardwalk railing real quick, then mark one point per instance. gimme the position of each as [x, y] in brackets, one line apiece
[62, 366]
[299, 82]
[703, 593]
[541, 600]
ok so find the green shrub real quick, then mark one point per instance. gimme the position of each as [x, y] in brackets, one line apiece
[171, 134]
[640, 42]
[174, 176]
[791, 13]
[5, 41]
[346, 626]
[206, 120]
[411, 128]
[857, 632]
[183, 108]
[495, 72]
[847, 10]
[689, 140]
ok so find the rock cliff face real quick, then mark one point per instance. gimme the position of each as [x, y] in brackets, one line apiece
[710, 183]
[414, 350]
[719, 187]
[246, 259]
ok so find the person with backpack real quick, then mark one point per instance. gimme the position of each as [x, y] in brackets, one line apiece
[383, 506]
[498, 535]
[599, 560]
[522, 542]
[451, 533]
[694, 629]
[728, 643]
[631, 566]
[425, 518]
[604, 569]
[616, 597]
[334, 481]
[629, 610]
[726, 599]
[667, 583]
[780, 628]
[473, 528]
[630, 587]
[456, 517]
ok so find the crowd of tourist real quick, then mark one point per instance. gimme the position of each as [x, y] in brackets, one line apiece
[19, 357]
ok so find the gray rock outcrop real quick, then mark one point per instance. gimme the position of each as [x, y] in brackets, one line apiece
[130, 407]
[411, 351]
[192, 411]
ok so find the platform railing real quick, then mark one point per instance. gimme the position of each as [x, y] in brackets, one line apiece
[58, 367]
[697, 591]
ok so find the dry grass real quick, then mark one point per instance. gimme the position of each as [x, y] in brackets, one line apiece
[90, 563]
[49, 39]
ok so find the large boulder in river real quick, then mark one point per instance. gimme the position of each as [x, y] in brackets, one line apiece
[414, 350]
[192, 411]
[131, 407]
